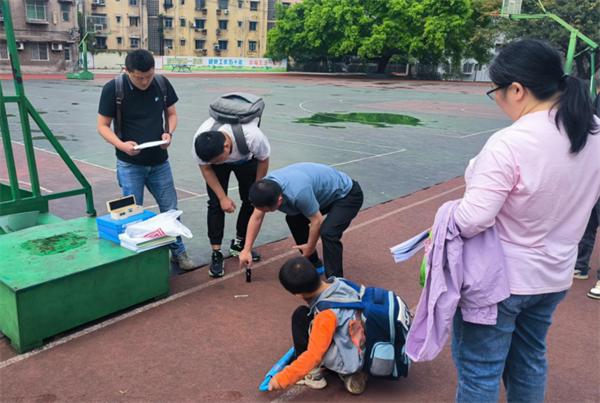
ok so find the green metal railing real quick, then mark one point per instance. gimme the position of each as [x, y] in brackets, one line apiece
[18, 202]
[592, 46]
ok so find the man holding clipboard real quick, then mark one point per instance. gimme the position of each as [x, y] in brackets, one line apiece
[135, 103]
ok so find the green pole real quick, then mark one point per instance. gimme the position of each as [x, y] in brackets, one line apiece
[593, 75]
[8, 152]
[66, 158]
[571, 52]
[20, 92]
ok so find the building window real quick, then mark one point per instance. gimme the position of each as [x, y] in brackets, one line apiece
[253, 25]
[252, 46]
[119, 40]
[65, 11]
[240, 23]
[285, 4]
[199, 44]
[199, 24]
[200, 4]
[118, 19]
[67, 53]
[169, 43]
[182, 22]
[168, 4]
[182, 2]
[240, 43]
[182, 42]
[100, 42]
[133, 2]
[134, 43]
[134, 21]
[223, 4]
[222, 24]
[3, 51]
[254, 6]
[168, 22]
[35, 10]
[222, 45]
[240, 4]
[39, 51]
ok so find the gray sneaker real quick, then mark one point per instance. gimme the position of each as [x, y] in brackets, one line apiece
[355, 383]
[184, 262]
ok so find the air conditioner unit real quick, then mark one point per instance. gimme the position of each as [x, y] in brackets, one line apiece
[20, 46]
[216, 46]
[218, 32]
[98, 27]
[226, 12]
[56, 47]
[218, 11]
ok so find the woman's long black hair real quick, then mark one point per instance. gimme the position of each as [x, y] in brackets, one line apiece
[538, 67]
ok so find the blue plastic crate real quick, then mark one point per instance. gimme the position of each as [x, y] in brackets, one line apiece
[110, 229]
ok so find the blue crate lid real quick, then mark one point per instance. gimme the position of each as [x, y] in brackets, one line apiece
[107, 222]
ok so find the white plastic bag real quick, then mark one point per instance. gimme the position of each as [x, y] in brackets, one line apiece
[163, 224]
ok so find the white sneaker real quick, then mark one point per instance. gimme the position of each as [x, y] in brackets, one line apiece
[580, 275]
[314, 379]
[595, 292]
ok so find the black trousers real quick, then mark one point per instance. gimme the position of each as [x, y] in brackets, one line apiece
[339, 215]
[246, 175]
[300, 329]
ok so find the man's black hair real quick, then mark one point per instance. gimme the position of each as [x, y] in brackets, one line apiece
[209, 145]
[264, 193]
[299, 276]
[140, 60]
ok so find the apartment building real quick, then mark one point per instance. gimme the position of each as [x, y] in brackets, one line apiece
[225, 28]
[46, 33]
[117, 24]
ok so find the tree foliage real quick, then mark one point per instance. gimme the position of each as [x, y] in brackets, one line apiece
[373, 29]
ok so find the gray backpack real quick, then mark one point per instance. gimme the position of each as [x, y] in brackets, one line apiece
[236, 109]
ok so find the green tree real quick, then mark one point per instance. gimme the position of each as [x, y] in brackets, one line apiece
[373, 29]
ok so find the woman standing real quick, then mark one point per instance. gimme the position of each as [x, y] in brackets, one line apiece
[536, 181]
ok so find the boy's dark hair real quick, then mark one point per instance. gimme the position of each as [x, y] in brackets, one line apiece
[209, 145]
[538, 67]
[140, 60]
[264, 193]
[299, 276]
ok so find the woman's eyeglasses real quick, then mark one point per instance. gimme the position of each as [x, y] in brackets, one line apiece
[492, 93]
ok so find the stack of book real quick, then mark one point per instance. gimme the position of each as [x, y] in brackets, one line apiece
[141, 245]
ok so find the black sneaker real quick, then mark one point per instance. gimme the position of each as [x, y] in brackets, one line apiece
[216, 265]
[236, 248]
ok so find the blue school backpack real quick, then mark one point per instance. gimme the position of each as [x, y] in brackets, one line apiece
[386, 320]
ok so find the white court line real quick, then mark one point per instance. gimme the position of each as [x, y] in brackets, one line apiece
[28, 184]
[289, 394]
[192, 290]
[301, 106]
[481, 132]
[340, 140]
[319, 146]
[369, 157]
[97, 166]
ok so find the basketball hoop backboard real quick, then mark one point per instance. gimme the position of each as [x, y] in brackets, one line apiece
[510, 7]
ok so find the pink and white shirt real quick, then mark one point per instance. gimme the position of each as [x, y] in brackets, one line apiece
[539, 196]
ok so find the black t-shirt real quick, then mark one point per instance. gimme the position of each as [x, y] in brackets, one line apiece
[142, 114]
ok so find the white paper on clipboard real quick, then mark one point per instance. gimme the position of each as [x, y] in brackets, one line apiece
[150, 144]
